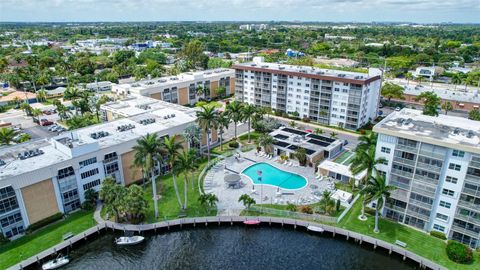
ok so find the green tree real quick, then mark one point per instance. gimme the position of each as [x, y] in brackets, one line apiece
[333, 135]
[221, 91]
[409, 77]
[24, 137]
[37, 113]
[327, 203]
[234, 110]
[147, 152]
[186, 164]
[246, 200]
[447, 106]
[193, 135]
[171, 147]
[266, 141]
[192, 54]
[474, 115]
[377, 190]
[367, 141]
[301, 155]
[135, 205]
[318, 131]
[112, 196]
[26, 108]
[456, 80]
[7, 135]
[431, 102]
[41, 95]
[206, 119]
[208, 200]
[222, 123]
[292, 124]
[391, 90]
[364, 159]
[248, 112]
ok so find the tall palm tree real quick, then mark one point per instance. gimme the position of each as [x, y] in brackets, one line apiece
[26, 108]
[248, 112]
[98, 103]
[222, 123]
[377, 190]
[7, 135]
[456, 80]
[327, 203]
[206, 119]
[366, 141]
[266, 141]
[41, 95]
[147, 152]
[234, 110]
[318, 131]
[37, 113]
[171, 149]
[333, 135]
[365, 160]
[186, 164]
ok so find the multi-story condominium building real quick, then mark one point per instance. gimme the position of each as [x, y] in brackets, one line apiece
[434, 163]
[330, 97]
[41, 178]
[182, 89]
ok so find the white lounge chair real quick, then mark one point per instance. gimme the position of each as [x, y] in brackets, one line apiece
[290, 164]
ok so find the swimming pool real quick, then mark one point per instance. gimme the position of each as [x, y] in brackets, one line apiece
[274, 176]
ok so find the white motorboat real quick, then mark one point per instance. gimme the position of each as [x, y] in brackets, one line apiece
[129, 240]
[315, 228]
[57, 263]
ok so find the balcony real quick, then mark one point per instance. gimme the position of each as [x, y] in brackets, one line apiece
[396, 208]
[474, 164]
[468, 205]
[428, 167]
[404, 161]
[467, 219]
[465, 231]
[425, 179]
[402, 173]
[424, 217]
[407, 148]
[432, 155]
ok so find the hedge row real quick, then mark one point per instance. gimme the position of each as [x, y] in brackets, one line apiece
[41, 223]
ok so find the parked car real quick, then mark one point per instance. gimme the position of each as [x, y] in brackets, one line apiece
[397, 109]
[47, 112]
[52, 127]
[45, 122]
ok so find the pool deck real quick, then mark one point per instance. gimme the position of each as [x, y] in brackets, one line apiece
[228, 197]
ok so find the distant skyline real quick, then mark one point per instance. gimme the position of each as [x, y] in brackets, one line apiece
[420, 11]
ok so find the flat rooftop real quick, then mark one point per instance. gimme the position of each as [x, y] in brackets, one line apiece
[447, 92]
[309, 71]
[175, 80]
[137, 104]
[166, 118]
[292, 139]
[444, 130]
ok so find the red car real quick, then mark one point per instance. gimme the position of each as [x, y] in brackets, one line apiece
[45, 122]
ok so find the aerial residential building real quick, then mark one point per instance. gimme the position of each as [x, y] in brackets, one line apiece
[427, 72]
[330, 97]
[181, 89]
[41, 178]
[434, 163]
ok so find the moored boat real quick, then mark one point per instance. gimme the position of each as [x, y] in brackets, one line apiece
[315, 228]
[56, 263]
[251, 222]
[129, 240]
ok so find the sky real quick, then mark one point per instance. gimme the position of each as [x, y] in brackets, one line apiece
[421, 11]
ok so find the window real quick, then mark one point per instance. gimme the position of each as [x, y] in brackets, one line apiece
[92, 184]
[442, 217]
[458, 153]
[452, 180]
[438, 228]
[445, 204]
[453, 166]
[448, 192]
[89, 173]
[87, 162]
[111, 168]
[385, 150]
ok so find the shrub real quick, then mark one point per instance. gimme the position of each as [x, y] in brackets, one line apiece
[41, 223]
[337, 206]
[291, 207]
[233, 144]
[306, 209]
[3, 239]
[459, 253]
[438, 235]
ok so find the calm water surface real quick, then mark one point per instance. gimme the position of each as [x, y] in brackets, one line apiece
[233, 248]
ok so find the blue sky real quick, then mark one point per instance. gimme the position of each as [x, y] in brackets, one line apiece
[423, 11]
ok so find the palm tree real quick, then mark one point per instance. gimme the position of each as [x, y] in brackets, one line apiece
[327, 203]
[23, 138]
[221, 125]
[200, 91]
[147, 152]
[318, 131]
[365, 160]
[234, 110]
[248, 113]
[172, 148]
[409, 77]
[193, 135]
[377, 190]
[366, 141]
[206, 119]
[266, 141]
[98, 103]
[292, 124]
[7, 135]
[208, 200]
[456, 80]
[447, 106]
[246, 200]
[186, 164]
[26, 108]
[333, 135]
[301, 155]
[37, 113]
[41, 95]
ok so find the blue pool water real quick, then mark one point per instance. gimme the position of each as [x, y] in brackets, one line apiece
[274, 176]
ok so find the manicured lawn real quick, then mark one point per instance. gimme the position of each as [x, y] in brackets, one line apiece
[219, 151]
[253, 137]
[31, 244]
[168, 207]
[417, 241]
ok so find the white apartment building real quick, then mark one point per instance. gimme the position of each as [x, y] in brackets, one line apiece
[41, 178]
[434, 163]
[331, 97]
[182, 88]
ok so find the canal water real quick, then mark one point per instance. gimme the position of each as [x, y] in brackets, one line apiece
[234, 247]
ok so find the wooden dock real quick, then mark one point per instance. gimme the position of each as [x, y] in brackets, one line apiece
[226, 220]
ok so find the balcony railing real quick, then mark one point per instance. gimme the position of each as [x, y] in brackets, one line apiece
[407, 148]
[428, 167]
[402, 173]
[404, 161]
[432, 155]
[425, 179]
